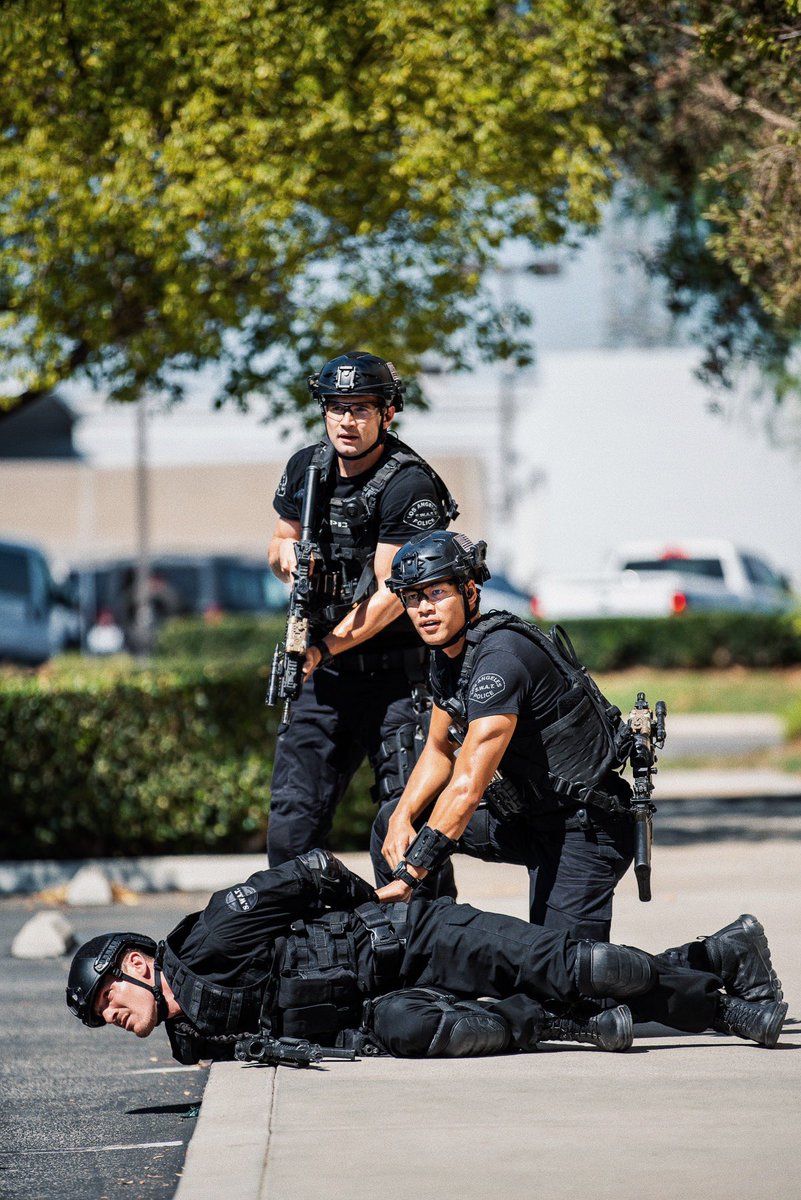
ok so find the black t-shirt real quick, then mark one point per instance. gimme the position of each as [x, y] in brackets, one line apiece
[509, 674]
[408, 505]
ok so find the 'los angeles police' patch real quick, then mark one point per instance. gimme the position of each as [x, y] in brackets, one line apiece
[486, 688]
[423, 514]
[242, 898]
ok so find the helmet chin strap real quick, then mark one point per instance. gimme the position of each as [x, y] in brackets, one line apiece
[156, 990]
[469, 616]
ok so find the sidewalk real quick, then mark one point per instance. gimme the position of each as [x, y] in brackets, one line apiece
[676, 1115]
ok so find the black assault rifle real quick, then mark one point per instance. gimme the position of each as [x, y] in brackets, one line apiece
[286, 673]
[648, 731]
[294, 1052]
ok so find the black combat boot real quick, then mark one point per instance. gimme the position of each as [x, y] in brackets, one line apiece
[740, 956]
[610, 1030]
[760, 1022]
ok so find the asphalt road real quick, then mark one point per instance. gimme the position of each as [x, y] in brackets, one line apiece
[98, 1115]
[86, 1115]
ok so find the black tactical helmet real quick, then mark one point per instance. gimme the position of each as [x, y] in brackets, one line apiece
[438, 555]
[95, 959]
[358, 373]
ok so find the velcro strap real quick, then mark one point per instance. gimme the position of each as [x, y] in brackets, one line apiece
[430, 849]
[387, 946]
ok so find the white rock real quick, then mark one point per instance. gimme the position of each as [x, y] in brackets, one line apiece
[89, 886]
[46, 935]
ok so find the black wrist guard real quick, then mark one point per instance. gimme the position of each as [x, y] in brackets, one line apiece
[430, 849]
[326, 655]
[401, 873]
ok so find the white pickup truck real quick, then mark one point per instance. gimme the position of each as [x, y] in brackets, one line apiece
[656, 579]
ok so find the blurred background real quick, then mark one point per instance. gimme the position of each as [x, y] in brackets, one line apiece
[575, 230]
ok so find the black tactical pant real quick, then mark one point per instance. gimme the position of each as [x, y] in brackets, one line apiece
[474, 953]
[572, 873]
[341, 717]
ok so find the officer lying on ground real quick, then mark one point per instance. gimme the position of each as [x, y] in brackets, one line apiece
[303, 950]
[516, 704]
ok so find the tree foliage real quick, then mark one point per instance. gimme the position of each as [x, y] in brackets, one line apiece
[265, 182]
[706, 100]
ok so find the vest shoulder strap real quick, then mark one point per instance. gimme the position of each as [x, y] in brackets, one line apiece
[403, 456]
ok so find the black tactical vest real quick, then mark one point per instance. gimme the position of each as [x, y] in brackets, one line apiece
[347, 530]
[329, 966]
[586, 738]
[211, 1011]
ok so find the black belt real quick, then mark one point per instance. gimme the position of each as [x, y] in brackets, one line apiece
[582, 819]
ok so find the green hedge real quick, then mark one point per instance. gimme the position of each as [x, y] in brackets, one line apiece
[689, 640]
[148, 762]
[102, 759]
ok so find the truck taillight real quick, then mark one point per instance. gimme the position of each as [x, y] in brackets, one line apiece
[679, 602]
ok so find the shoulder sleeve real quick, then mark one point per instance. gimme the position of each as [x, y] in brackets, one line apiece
[288, 498]
[409, 505]
[246, 915]
[500, 682]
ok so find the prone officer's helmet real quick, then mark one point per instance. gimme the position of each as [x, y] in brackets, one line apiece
[358, 373]
[92, 962]
[439, 555]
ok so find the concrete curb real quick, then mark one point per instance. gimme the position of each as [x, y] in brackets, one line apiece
[223, 1149]
[181, 873]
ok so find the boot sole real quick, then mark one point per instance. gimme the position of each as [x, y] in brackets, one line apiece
[756, 933]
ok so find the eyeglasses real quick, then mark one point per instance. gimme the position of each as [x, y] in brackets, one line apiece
[435, 593]
[359, 412]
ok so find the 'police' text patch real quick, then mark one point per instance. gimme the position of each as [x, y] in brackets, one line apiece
[486, 688]
[242, 898]
[423, 514]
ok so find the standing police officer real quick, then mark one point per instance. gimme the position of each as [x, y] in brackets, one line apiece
[502, 688]
[365, 689]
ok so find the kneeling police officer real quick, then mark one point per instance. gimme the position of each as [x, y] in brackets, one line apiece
[535, 781]
[304, 951]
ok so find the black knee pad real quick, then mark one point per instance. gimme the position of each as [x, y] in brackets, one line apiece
[603, 969]
[429, 1023]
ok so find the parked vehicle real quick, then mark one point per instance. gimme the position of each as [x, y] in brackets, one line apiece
[178, 585]
[500, 592]
[37, 618]
[651, 579]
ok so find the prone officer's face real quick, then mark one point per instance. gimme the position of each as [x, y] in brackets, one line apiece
[437, 610]
[125, 1004]
[353, 425]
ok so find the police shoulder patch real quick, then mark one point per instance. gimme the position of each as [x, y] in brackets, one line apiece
[281, 489]
[423, 514]
[486, 688]
[242, 898]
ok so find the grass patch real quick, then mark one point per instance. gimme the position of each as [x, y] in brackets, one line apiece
[734, 690]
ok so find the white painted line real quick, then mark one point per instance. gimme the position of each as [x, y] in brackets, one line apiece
[94, 1149]
[161, 1070]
